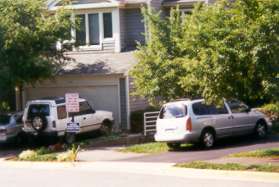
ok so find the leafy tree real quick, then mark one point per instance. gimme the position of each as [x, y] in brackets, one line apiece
[28, 36]
[225, 50]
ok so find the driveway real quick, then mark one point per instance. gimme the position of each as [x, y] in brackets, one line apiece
[222, 149]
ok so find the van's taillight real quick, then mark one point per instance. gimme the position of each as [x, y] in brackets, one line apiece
[54, 124]
[189, 124]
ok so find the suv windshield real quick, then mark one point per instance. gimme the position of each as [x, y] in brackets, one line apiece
[38, 110]
[173, 111]
[4, 119]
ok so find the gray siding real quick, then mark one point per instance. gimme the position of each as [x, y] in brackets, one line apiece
[123, 104]
[132, 28]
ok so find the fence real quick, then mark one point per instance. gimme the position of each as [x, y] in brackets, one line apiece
[150, 122]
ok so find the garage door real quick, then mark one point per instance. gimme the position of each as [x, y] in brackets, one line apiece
[100, 97]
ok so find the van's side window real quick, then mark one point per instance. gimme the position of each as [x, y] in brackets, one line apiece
[61, 112]
[201, 108]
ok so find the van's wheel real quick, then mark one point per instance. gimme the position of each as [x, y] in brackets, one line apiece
[174, 146]
[106, 127]
[261, 130]
[70, 138]
[207, 138]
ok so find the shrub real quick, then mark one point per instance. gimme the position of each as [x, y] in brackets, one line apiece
[137, 119]
[28, 155]
[272, 111]
[69, 156]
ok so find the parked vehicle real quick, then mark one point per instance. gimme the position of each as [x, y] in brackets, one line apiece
[10, 127]
[48, 117]
[192, 121]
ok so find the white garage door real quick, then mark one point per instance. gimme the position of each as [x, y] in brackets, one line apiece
[100, 97]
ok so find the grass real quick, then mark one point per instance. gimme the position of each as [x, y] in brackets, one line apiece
[149, 148]
[229, 166]
[261, 153]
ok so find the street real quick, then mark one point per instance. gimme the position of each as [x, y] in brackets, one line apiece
[125, 174]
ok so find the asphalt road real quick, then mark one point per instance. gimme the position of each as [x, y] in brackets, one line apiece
[135, 175]
[223, 148]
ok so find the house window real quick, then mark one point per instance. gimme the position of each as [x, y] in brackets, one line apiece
[94, 32]
[93, 28]
[81, 31]
[107, 25]
[186, 11]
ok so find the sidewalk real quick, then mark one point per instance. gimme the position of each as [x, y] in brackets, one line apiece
[158, 169]
[105, 154]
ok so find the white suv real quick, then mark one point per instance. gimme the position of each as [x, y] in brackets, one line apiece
[49, 117]
[192, 121]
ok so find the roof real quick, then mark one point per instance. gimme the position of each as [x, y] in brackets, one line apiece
[75, 2]
[99, 64]
[180, 2]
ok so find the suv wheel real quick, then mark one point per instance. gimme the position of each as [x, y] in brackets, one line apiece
[70, 138]
[261, 130]
[208, 139]
[174, 146]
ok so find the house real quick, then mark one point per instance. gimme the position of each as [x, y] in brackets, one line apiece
[103, 56]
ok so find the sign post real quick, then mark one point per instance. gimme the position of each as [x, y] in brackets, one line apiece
[72, 106]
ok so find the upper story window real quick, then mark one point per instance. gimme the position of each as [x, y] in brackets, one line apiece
[93, 28]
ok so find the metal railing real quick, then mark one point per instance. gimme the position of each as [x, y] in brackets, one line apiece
[149, 121]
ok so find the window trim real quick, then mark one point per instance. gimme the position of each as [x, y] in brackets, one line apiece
[102, 39]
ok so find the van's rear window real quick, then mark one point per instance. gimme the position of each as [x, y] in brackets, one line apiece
[173, 111]
[38, 110]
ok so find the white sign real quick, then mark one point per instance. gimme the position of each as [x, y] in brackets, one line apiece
[72, 103]
[73, 127]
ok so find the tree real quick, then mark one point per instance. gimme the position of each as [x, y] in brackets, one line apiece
[28, 36]
[225, 50]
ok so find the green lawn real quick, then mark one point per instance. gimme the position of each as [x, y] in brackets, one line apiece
[147, 148]
[150, 148]
[261, 153]
[229, 166]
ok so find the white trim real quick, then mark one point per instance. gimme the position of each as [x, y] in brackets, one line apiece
[87, 35]
[101, 26]
[116, 30]
[53, 6]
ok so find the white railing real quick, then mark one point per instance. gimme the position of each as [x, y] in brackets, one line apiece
[149, 121]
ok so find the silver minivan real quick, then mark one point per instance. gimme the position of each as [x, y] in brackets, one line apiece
[193, 121]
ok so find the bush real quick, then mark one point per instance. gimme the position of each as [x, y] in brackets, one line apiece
[27, 155]
[272, 111]
[137, 119]
[69, 156]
